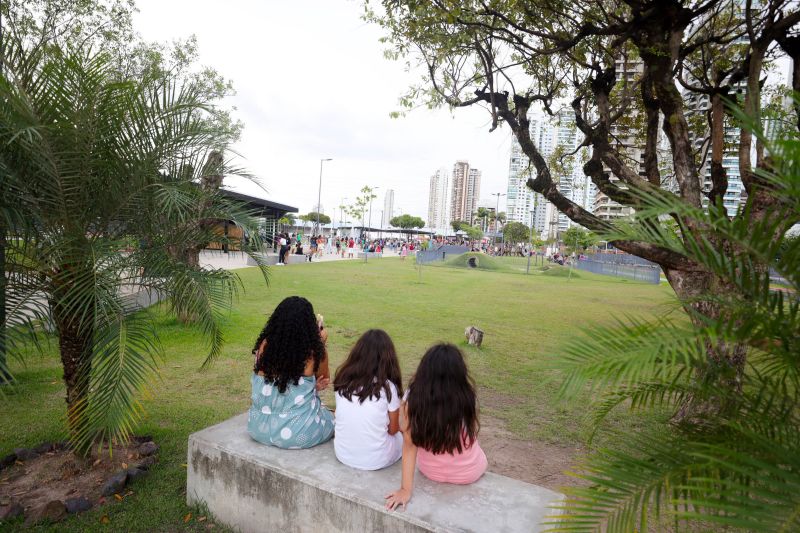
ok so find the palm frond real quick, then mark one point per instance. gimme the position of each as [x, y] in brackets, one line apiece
[93, 166]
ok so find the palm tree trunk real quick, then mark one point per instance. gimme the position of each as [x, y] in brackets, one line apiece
[4, 376]
[75, 346]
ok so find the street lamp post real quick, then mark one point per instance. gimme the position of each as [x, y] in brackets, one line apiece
[369, 224]
[369, 233]
[341, 212]
[530, 245]
[496, 214]
[319, 192]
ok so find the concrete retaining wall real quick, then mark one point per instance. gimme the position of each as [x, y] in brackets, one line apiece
[253, 487]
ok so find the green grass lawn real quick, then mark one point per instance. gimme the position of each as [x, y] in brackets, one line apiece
[526, 319]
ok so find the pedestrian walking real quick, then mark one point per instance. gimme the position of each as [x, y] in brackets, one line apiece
[284, 247]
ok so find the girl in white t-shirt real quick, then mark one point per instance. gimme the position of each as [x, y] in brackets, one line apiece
[368, 390]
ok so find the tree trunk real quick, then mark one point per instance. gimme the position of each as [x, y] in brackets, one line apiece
[725, 362]
[75, 346]
[189, 256]
[212, 176]
[5, 377]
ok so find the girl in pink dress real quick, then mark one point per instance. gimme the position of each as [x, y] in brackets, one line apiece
[439, 421]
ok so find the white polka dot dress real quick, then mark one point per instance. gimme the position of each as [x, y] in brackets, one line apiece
[293, 419]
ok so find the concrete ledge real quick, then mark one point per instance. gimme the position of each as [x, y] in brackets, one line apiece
[253, 487]
[370, 255]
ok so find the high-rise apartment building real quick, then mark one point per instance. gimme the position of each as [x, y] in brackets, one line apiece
[625, 138]
[388, 208]
[699, 104]
[439, 201]
[465, 191]
[522, 204]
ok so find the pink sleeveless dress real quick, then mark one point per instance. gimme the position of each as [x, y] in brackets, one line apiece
[459, 468]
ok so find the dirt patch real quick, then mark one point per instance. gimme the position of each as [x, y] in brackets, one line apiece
[531, 461]
[58, 474]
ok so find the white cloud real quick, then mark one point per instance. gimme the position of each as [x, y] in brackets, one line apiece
[312, 82]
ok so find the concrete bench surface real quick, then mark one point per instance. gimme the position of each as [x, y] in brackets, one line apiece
[253, 487]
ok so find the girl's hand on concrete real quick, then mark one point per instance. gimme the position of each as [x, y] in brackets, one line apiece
[397, 498]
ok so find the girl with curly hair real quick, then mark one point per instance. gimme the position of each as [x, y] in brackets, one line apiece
[439, 421]
[291, 367]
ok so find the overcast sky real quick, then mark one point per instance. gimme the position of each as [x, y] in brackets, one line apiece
[312, 83]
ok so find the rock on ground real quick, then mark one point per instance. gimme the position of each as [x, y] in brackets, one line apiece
[77, 505]
[10, 512]
[25, 454]
[135, 473]
[147, 448]
[53, 511]
[115, 484]
[146, 463]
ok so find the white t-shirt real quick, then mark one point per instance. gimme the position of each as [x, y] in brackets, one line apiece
[283, 241]
[362, 437]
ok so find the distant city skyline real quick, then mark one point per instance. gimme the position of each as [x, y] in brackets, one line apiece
[290, 126]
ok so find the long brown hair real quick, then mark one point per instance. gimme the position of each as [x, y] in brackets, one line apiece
[371, 363]
[442, 404]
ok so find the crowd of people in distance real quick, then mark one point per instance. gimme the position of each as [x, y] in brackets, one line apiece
[316, 246]
[376, 422]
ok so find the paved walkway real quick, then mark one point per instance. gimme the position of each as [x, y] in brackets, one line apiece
[235, 260]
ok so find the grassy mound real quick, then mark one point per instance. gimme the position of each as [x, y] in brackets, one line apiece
[505, 264]
[467, 260]
[558, 271]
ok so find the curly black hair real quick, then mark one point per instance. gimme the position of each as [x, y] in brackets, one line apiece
[292, 336]
[442, 404]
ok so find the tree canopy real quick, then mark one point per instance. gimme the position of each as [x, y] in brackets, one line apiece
[577, 238]
[407, 222]
[516, 232]
[473, 232]
[288, 219]
[482, 214]
[457, 224]
[511, 57]
[42, 26]
[620, 67]
[312, 217]
[358, 209]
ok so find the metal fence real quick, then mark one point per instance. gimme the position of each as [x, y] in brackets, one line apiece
[620, 259]
[443, 253]
[623, 266]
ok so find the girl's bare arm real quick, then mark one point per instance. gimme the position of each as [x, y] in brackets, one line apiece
[403, 495]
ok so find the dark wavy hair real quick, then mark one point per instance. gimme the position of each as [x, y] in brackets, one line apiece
[292, 336]
[442, 404]
[371, 363]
